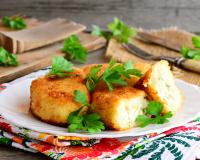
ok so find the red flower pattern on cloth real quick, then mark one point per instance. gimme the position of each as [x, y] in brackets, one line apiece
[180, 128]
[108, 145]
[2, 87]
[79, 152]
[42, 147]
[6, 127]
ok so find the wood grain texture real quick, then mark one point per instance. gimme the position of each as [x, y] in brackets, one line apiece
[140, 13]
[8, 153]
[48, 33]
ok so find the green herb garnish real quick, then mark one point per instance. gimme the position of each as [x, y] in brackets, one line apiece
[7, 59]
[81, 119]
[14, 23]
[81, 98]
[153, 115]
[196, 41]
[118, 30]
[97, 31]
[74, 49]
[60, 67]
[93, 79]
[190, 53]
[113, 74]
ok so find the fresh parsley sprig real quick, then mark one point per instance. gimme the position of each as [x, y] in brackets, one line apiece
[97, 31]
[92, 79]
[153, 115]
[192, 53]
[74, 49]
[14, 23]
[81, 98]
[118, 30]
[7, 59]
[60, 68]
[113, 74]
[81, 119]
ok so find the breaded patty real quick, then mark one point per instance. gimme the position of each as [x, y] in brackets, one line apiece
[143, 67]
[159, 84]
[52, 99]
[119, 108]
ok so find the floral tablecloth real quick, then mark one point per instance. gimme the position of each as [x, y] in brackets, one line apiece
[182, 142]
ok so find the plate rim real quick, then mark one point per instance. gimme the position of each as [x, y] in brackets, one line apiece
[96, 135]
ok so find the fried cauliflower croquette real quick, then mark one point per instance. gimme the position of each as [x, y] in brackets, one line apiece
[52, 99]
[160, 86]
[143, 67]
[119, 108]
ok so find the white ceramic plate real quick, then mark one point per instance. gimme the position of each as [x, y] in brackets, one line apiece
[14, 106]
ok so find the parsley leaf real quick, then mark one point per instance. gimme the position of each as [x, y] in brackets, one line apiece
[97, 31]
[7, 59]
[153, 115]
[114, 74]
[121, 31]
[80, 97]
[143, 120]
[74, 49]
[86, 122]
[92, 79]
[14, 23]
[128, 65]
[60, 67]
[196, 41]
[154, 108]
[189, 53]
[192, 53]
[81, 119]
[118, 30]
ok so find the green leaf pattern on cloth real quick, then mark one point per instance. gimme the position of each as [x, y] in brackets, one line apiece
[171, 145]
[6, 141]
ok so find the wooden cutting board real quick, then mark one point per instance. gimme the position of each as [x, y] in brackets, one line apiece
[48, 33]
[40, 58]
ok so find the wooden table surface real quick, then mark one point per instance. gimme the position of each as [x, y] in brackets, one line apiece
[139, 13]
[148, 14]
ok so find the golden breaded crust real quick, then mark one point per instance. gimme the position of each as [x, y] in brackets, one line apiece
[143, 67]
[52, 99]
[116, 107]
[160, 86]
